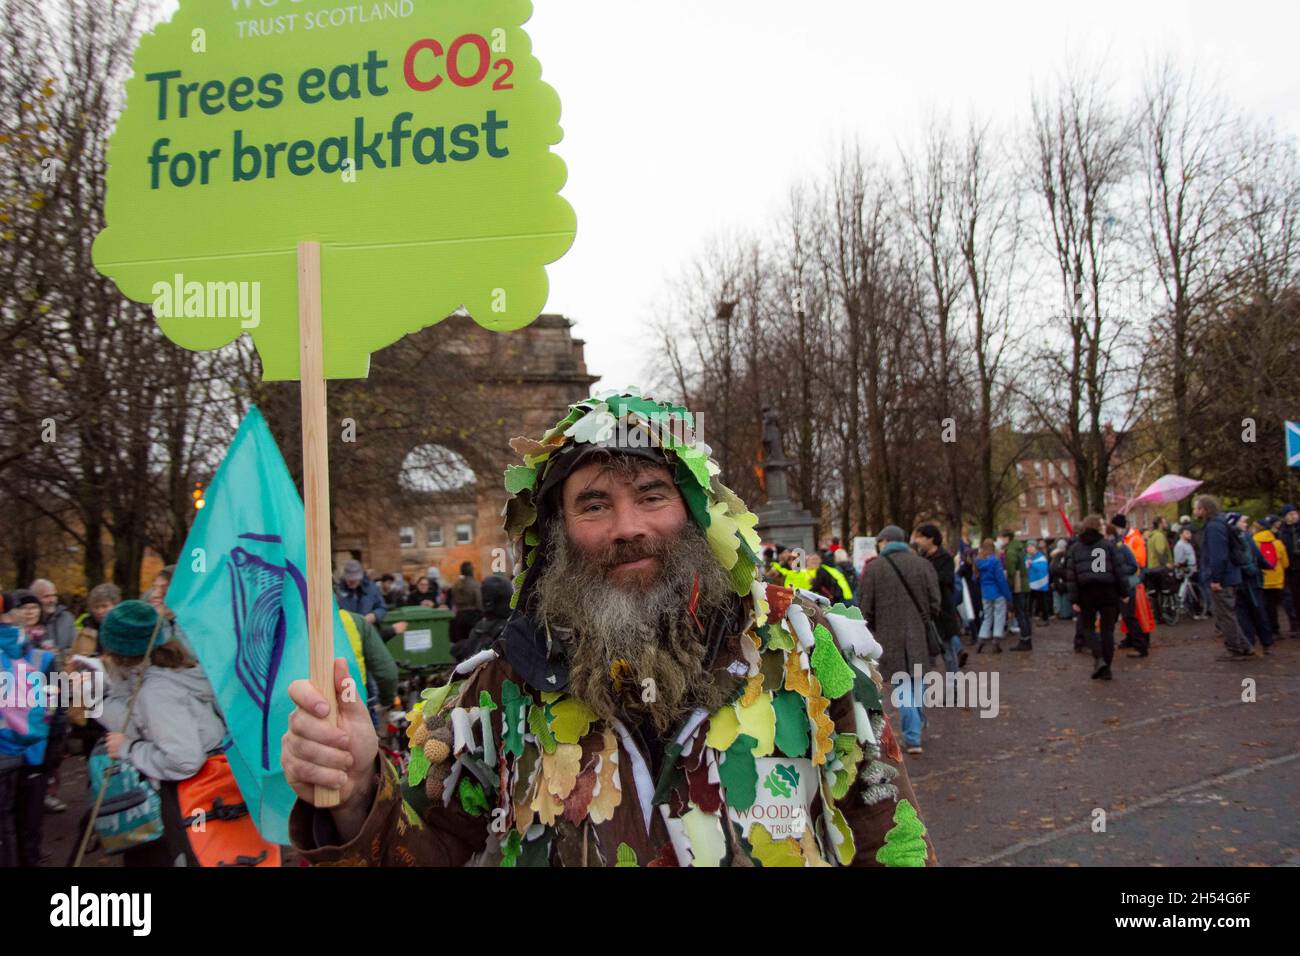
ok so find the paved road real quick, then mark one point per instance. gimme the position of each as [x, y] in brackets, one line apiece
[1186, 772]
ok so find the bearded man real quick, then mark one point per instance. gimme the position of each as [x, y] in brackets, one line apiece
[650, 702]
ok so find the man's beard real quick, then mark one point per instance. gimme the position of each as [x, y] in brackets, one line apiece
[648, 626]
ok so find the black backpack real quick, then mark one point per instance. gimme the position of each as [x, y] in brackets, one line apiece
[1237, 553]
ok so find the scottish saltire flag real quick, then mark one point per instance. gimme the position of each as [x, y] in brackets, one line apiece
[1293, 444]
[240, 595]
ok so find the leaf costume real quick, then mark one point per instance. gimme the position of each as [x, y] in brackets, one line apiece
[795, 769]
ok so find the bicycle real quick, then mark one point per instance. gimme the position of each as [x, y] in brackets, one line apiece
[1191, 599]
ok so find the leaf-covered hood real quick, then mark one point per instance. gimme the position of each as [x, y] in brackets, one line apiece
[632, 424]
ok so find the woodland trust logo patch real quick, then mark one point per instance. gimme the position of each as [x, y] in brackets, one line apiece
[782, 781]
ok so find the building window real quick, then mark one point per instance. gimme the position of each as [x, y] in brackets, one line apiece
[1038, 469]
[1024, 500]
[1044, 527]
[464, 533]
[1024, 527]
[1056, 496]
[1042, 498]
[433, 536]
[1051, 470]
[1020, 472]
[1065, 469]
[1069, 496]
[406, 537]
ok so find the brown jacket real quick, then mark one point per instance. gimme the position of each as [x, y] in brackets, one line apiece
[890, 612]
[555, 786]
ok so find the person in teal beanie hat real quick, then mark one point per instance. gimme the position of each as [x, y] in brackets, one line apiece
[128, 629]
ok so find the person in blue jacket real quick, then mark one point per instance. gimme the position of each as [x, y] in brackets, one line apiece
[23, 733]
[995, 590]
[360, 595]
[1223, 559]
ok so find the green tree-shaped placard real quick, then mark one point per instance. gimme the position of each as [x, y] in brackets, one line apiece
[410, 138]
[905, 842]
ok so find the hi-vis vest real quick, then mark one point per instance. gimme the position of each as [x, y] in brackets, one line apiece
[798, 578]
[841, 580]
[1138, 545]
[354, 638]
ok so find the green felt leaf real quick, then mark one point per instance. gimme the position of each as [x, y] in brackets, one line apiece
[865, 691]
[510, 849]
[696, 463]
[654, 411]
[541, 729]
[412, 817]
[485, 701]
[848, 753]
[537, 852]
[791, 723]
[779, 638]
[904, 844]
[835, 674]
[626, 856]
[472, 799]
[532, 538]
[512, 703]
[435, 697]
[697, 501]
[739, 773]
[851, 611]
[418, 767]
[520, 478]
[742, 575]
[594, 427]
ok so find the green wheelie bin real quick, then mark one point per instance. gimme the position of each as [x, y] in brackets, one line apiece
[427, 640]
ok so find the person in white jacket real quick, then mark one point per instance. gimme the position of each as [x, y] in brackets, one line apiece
[174, 726]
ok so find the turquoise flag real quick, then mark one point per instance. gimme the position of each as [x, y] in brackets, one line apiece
[240, 594]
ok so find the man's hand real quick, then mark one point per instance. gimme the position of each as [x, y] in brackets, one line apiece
[1216, 586]
[371, 617]
[1077, 609]
[114, 742]
[427, 603]
[336, 754]
[399, 627]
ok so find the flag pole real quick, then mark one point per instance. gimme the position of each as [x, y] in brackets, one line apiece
[316, 488]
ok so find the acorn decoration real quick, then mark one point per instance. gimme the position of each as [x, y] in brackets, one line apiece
[419, 735]
[437, 748]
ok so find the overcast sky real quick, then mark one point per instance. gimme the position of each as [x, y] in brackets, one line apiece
[686, 119]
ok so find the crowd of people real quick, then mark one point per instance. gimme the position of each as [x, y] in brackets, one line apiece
[924, 602]
[173, 726]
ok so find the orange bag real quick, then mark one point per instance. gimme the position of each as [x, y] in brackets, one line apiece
[225, 834]
[1145, 615]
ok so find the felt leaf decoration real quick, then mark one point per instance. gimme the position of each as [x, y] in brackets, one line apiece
[742, 575]
[523, 446]
[510, 849]
[520, 477]
[704, 831]
[739, 773]
[773, 668]
[779, 638]
[418, 767]
[769, 852]
[432, 698]
[666, 858]
[512, 718]
[889, 743]
[531, 538]
[546, 805]
[724, 725]
[759, 721]
[703, 792]
[905, 842]
[579, 799]
[550, 697]
[560, 769]
[626, 856]
[865, 691]
[746, 523]
[823, 726]
[697, 500]
[722, 536]
[630, 400]
[608, 793]
[796, 678]
[472, 799]
[782, 781]
[695, 460]
[848, 756]
[485, 701]
[753, 687]
[835, 675]
[812, 853]
[791, 723]
[540, 729]
[571, 720]
[594, 427]
[840, 835]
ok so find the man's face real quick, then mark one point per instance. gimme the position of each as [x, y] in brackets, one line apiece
[1292, 517]
[1187, 535]
[99, 610]
[27, 615]
[616, 517]
[48, 596]
[922, 543]
[1031, 548]
[1199, 511]
[159, 591]
[813, 562]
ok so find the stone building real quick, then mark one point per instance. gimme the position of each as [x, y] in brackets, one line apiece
[525, 383]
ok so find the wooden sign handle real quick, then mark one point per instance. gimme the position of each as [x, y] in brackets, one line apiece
[316, 489]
